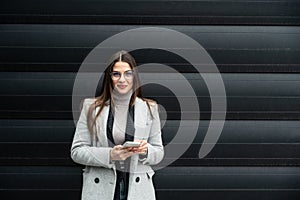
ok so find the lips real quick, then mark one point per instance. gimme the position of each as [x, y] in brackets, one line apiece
[122, 86]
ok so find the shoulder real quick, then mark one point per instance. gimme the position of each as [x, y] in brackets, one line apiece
[150, 105]
[86, 103]
[146, 101]
[89, 100]
[151, 102]
[153, 107]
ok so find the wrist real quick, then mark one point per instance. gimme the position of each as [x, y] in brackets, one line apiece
[111, 156]
[143, 156]
[145, 153]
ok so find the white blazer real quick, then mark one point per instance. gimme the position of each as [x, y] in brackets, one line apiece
[99, 175]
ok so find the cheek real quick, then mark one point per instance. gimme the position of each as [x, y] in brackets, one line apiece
[114, 83]
[130, 84]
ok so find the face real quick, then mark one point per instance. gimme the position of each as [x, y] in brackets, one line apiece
[122, 77]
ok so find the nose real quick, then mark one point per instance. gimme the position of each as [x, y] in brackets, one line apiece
[122, 78]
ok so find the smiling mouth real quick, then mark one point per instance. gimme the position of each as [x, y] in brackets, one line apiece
[122, 86]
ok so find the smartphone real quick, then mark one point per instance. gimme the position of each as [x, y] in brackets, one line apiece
[131, 144]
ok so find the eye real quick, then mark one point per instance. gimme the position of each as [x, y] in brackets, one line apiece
[129, 74]
[116, 74]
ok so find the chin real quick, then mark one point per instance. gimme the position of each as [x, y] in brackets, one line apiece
[120, 91]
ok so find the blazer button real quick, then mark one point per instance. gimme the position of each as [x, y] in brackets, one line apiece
[137, 179]
[96, 180]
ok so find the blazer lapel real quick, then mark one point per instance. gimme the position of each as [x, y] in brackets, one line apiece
[140, 122]
[140, 119]
[101, 126]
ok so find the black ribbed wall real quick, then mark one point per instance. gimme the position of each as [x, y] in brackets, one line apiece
[255, 45]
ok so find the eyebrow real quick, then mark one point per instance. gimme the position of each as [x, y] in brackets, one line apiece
[124, 71]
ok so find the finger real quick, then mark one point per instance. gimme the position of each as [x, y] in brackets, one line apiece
[128, 154]
[118, 147]
[143, 143]
[141, 152]
[140, 141]
[124, 150]
[129, 148]
[141, 148]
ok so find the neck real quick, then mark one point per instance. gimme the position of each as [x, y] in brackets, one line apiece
[122, 99]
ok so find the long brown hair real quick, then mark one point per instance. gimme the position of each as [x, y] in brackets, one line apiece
[107, 88]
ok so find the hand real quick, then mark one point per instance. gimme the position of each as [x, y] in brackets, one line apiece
[120, 153]
[142, 149]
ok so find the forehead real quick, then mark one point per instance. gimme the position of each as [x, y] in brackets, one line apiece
[121, 66]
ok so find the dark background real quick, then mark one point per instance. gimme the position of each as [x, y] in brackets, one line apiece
[255, 45]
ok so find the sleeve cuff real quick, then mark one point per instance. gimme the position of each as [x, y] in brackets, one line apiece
[143, 157]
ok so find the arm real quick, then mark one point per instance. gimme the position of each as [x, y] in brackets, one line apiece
[82, 150]
[155, 152]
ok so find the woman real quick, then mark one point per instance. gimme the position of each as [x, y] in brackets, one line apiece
[119, 114]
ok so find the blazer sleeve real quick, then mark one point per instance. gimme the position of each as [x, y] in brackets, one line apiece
[155, 147]
[82, 150]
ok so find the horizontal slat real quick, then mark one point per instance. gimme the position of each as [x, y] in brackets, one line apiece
[57, 131]
[226, 154]
[44, 85]
[48, 194]
[190, 182]
[249, 96]
[152, 12]
[63, 115]
[210, 37]
[229, 152]
[241, 143]
[223, 56]
[247, 85]
[51, 107]
[233, 49]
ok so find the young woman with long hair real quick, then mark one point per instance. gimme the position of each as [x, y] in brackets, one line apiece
[118, 115]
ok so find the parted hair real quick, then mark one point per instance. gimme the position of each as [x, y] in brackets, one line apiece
[106, 91]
